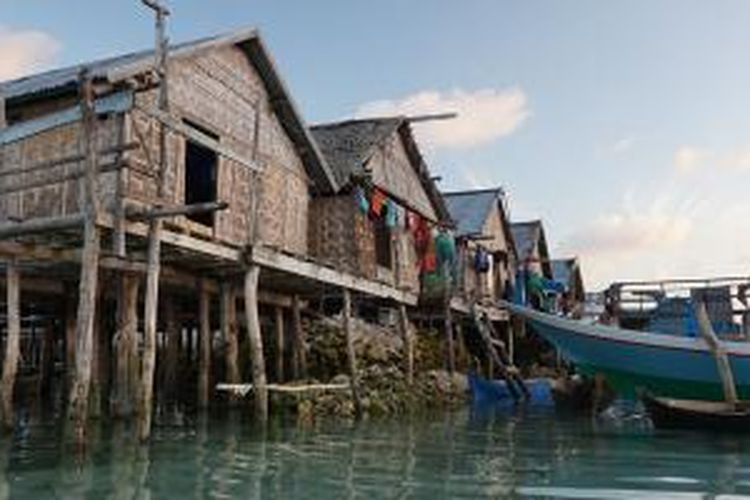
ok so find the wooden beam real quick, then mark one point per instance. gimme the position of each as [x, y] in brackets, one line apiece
[196, 136]
[719, 353]
[58, 179]
[351, 355]
[138, 213]
[41, 225]
[276, 260]
[256, 342]
[126, 347]
[10, 364]
[58, 162]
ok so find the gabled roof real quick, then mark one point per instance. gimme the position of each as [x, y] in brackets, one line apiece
[348, 145]
[118, 69]
[568, 272]
[528, 235]
[470, 209]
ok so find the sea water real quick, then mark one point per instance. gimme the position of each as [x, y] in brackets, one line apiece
[470, 453]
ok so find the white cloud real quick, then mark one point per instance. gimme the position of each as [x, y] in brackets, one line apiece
[688, 158]
[483, 115]
[25, 51]
[623, 145]
[636, 240]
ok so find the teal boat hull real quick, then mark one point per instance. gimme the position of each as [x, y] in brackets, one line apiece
[634, 361]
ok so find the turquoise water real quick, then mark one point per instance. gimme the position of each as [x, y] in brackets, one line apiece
[490, 454]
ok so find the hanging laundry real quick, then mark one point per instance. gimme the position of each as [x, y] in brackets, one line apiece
[446, 248]
[412, 219]
[391, 215]
[361, 199]
[429, 259]
[377, 201]
[481, 260]
[421, 234]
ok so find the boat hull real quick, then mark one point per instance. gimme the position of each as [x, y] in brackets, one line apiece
[690, 414]
[633, 361]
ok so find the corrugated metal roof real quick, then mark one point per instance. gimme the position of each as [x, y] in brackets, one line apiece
[470, 209]
[348, 145]
[119, 68]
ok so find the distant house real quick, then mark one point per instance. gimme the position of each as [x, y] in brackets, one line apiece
[482, 226]
[531, 247]
[568, 272]
[385, 205]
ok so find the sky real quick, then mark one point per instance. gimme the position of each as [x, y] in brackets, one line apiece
[623, 125]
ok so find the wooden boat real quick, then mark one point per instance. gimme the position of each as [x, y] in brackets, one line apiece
[665, 366]
[718, 416]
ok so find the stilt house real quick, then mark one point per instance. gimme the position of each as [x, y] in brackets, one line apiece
[486, 250]
[531, 247]
[568, 273]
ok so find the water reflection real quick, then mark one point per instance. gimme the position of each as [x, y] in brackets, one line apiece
[495, 452]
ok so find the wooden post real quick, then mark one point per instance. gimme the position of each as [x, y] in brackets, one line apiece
[719, 352]
[279, 327]
[151, 298]
[408, 340]
[10, 365]
[126, 347]
[47, 359]
[87, 292]
[229, 332]
[461, 358]
[70, 336]
[173, 333]
[350, 353]
[256, 342]
[450, 355]
[300, 347]
[204, 356]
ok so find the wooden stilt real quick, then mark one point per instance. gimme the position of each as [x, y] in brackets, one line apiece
[350, 353]
[229, 332]
[46, 361]
[126, 347]
[408, 339]
[461, 359]
[70, 337]
[256, 342]
[87, 292]
[173, 333]
[10, 364]
[204, 359]
[450, 354]
[279, 327]
[153, 269]
[300, 343]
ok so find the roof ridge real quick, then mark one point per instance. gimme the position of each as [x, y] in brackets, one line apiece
[473, 191]
[353, 121]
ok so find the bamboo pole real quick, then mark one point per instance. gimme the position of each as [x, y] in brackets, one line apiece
[408, 340]
[229, 332]
[87, 293]
[256, 342]
[126, 346]
[279, 328]
[204, 356]
[10, 365]
[350, 353]
[300, 348]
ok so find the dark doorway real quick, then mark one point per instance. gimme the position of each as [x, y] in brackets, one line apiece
[201, 165]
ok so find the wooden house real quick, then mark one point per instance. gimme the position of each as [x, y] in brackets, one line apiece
[531, 247]
[370, 225]
[189, 172]
[568, 273]
[487, 253]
